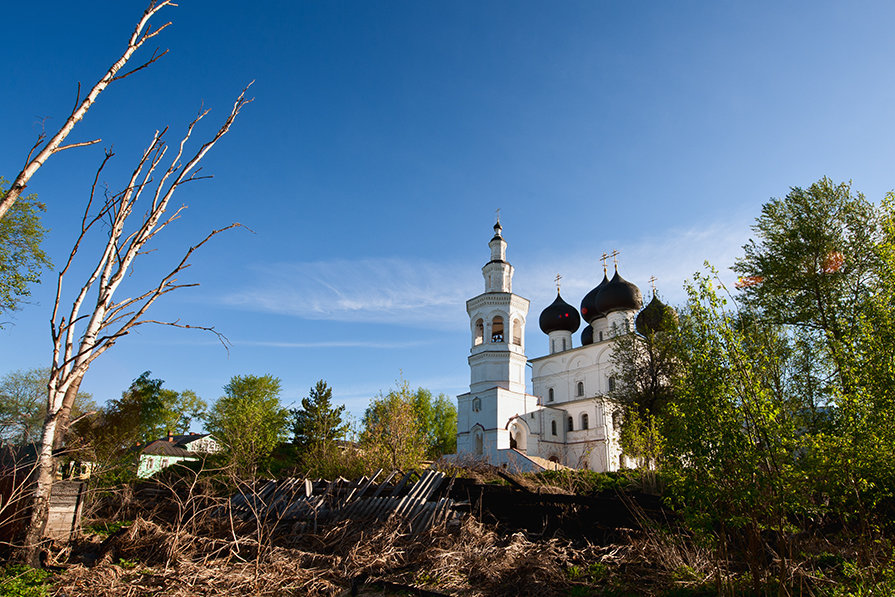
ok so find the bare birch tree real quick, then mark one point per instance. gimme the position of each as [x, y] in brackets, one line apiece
[43, 148]
[79, 339]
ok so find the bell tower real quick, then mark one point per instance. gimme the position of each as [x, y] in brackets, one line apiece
[496, 359]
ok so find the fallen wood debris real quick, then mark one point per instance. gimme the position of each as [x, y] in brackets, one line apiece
[304, 504]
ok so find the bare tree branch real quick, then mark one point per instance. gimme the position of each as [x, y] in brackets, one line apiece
[142, 33]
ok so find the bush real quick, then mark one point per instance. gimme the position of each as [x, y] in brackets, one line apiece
[23, 581]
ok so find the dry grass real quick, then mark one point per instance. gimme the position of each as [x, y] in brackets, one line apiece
[472, 559]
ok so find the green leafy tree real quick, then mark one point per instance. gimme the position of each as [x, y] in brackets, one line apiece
[249, 420]
[438, 420]
[317, 425]
[145, 412]
[393, 435]
[23, 404]
[21, 258]
[812, 265]
[644, 367]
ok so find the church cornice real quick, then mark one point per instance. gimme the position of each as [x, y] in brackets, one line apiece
[498, 299]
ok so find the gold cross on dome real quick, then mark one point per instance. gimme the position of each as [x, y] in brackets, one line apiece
[603, 259]
[498, 215]
[652, 283]
[557, 279]
[614, 256]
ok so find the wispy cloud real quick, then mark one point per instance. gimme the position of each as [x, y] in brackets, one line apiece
[335, 344]
[432, 295]
[416, 293]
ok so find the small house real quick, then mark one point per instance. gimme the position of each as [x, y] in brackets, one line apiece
[162, 453]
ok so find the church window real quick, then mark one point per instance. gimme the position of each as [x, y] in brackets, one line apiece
[616, 420]
[552, 346]
[550, 395]
[479, 332]
[476, 404]
[553, 427]
[580, 389]
[611, 384]
[601, 336]
[571, 425]
[497, 329]
[584, 422]
[479, 442]
[563, 343]
[517, 332]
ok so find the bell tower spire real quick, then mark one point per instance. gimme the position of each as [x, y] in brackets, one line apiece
[498, 273]
[496, 358]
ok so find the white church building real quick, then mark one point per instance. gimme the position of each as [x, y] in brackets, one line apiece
[568, 419]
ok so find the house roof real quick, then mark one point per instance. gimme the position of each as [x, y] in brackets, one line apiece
[162, 447]
[176, 446]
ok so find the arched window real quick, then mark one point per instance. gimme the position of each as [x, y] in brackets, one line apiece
[563, 343]
[479, 332]
[580, 389]
[553, 427]
[550, 395]
[497, 329]
[479, 442]
[476, 404]
[601, 336]
[571, 425]
[611, 384]
[517, 332]
[584, 421]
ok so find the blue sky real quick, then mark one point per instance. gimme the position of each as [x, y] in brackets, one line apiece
[383, 137]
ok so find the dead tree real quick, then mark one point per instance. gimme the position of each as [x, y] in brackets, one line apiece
[43, 148]
[79, 339]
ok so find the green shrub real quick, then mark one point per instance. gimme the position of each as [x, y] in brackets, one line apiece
[23, 581]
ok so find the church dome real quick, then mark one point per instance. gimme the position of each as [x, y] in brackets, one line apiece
[654, 316]
[589, 309]
[559, 316]
[618, 295]
[587, 335]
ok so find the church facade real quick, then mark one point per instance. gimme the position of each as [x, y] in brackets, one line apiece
[568, 419]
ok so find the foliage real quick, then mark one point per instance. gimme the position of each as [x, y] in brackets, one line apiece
[438, 420]
[105, 528]
[21, 258]
[23, 404]
[812, 264]
[145, 412]
[317, 426]
[586, 482]
[733, 435]
[249, 420]
[393, 434]
[645, 367]
[23, 581]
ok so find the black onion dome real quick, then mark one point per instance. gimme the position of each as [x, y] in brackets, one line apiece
[589, 309]
[497, 230]
[587, 335]
[618, 295]
[559, 316]
[654, 317]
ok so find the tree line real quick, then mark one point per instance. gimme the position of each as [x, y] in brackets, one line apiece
[399, 429]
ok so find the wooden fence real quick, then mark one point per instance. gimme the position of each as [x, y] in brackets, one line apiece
[418, 504]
